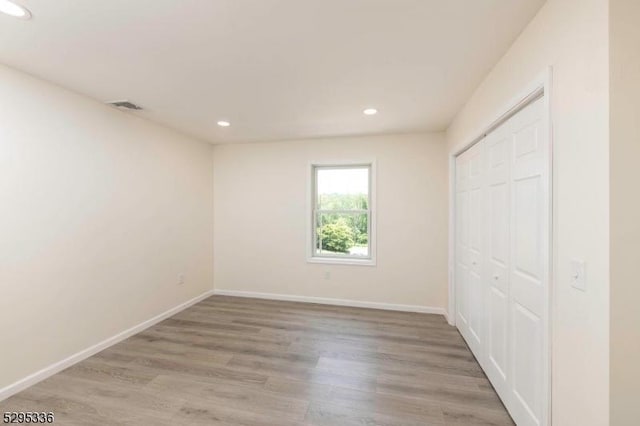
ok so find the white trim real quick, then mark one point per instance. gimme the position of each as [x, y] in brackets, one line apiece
[334, 260]
[542, 83]
[552, 264]
[52, 369]
[371, 260]
[452, 241]
[540, 87]
[334, 302]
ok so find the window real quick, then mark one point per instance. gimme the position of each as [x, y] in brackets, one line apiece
[342, 215]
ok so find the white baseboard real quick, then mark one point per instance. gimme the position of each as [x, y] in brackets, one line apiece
[49, 371]
[331, 301]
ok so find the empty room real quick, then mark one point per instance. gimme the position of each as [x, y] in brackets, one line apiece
[319, 212]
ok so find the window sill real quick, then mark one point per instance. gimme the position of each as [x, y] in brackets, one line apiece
[339, 261]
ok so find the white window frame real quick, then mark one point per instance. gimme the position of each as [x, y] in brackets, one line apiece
[312, 214]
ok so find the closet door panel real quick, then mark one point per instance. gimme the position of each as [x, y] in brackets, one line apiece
[502, 259]
[462, 242]
[497, 259]
[529, 242]
[475, 283]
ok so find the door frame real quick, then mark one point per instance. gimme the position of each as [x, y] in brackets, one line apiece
[539, 88]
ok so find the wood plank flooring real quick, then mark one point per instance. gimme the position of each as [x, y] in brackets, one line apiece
[236, 361]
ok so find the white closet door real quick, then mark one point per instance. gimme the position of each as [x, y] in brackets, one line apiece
[469, 292]
[529, 271]
[475, 290]
[503, 259]
[498, 150]
[462, 243]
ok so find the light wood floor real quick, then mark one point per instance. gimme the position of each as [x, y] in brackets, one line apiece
[235, 361]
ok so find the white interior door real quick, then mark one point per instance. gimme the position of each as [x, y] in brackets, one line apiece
[462, 262]
[529, 272]
[503, 260]
[497, 227]
[475, 291]
[469, 184]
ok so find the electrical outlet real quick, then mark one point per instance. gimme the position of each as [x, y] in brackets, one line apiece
[181, 279]
[327, 275]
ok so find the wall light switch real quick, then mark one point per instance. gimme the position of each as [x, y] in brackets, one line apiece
[578, 275]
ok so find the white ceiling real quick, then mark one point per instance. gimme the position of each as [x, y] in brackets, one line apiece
[277, 69]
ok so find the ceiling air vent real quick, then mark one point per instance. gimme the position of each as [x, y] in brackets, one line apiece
[125, 105]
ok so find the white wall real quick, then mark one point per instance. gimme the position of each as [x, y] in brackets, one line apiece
[625, 211]
[571, 36]
[261, 230]
[100, 212]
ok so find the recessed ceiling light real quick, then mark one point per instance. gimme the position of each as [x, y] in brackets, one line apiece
[223, 123]
[15, 10]
[370, 111]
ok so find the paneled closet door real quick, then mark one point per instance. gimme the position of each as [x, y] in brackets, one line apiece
[503, 260]
[469, 242]
[475, 290]
[496, 350]
[529, 266]
[462, 262]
